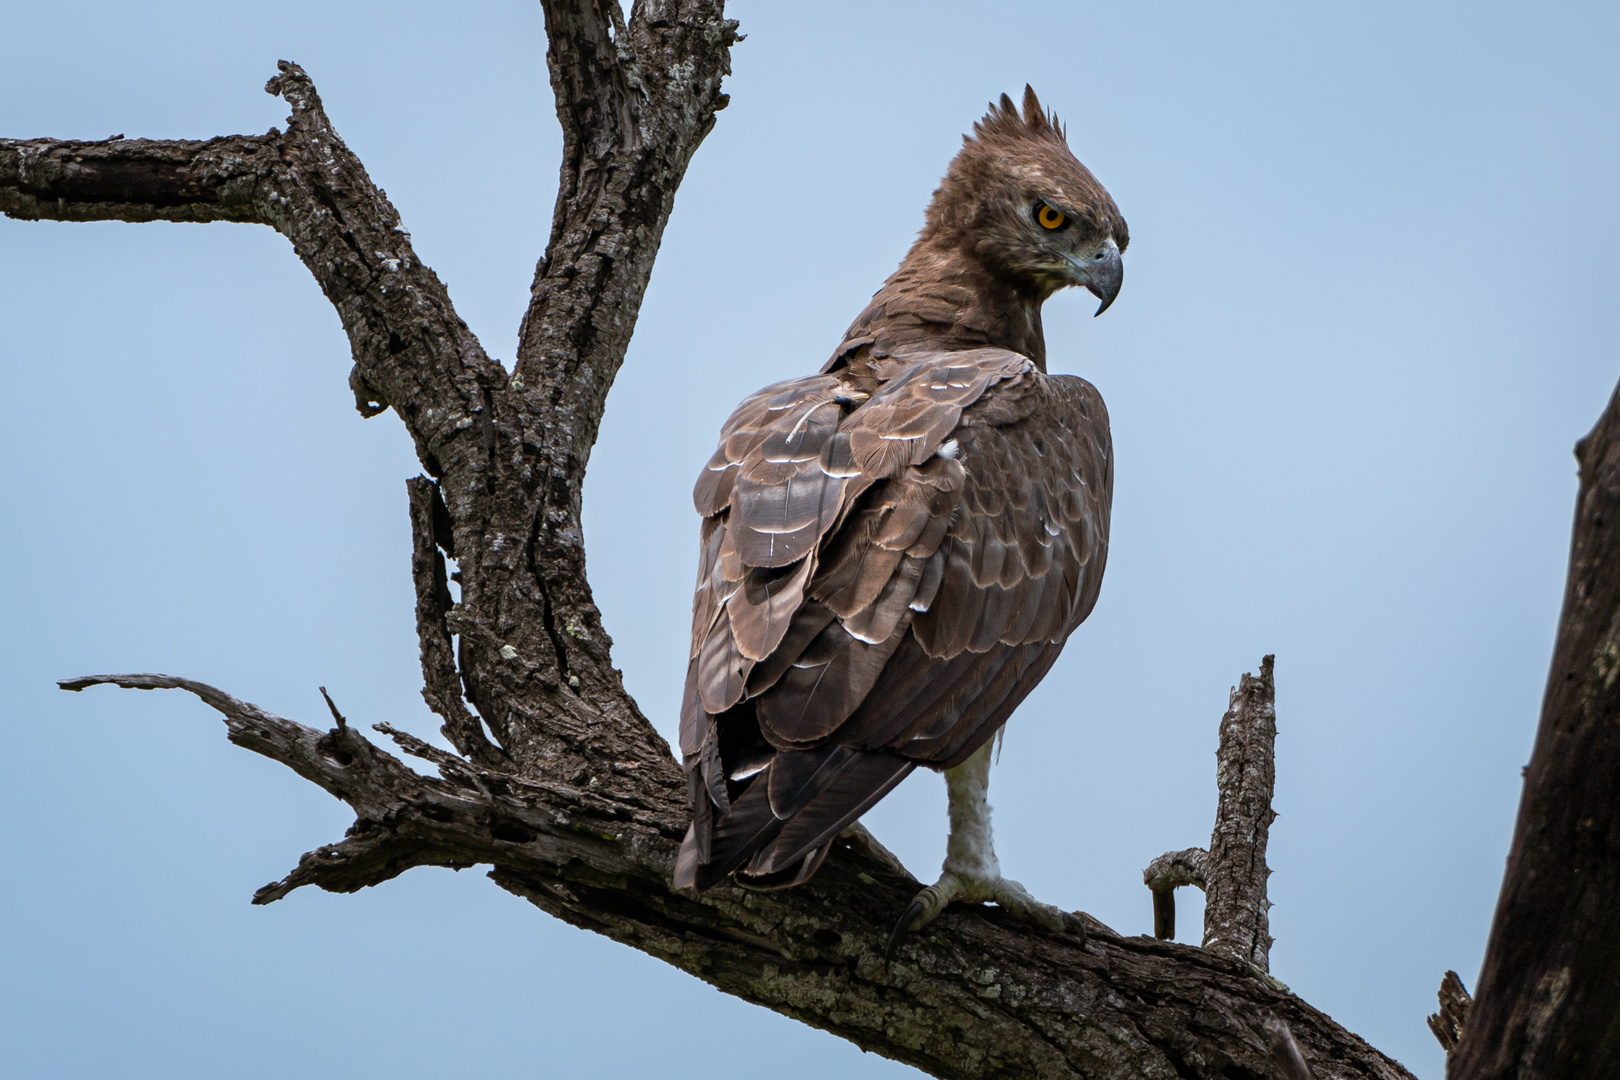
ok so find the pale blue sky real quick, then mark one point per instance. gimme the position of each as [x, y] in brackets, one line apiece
[1368, 310]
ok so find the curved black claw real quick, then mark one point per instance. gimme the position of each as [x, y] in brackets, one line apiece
[903, 925]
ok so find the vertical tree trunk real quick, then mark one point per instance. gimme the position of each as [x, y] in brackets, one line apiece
[1548, 1002]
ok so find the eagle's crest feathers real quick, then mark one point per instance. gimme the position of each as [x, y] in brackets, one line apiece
[1011, 160]
[1004, 122]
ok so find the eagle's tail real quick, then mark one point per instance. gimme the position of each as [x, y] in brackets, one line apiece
[780, 828]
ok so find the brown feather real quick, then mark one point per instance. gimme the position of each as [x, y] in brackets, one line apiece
[808, 623]
[695, 722]
[721, 668]
[764, 607]
[820, 690]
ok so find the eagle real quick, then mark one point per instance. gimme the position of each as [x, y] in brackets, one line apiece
[894, 551]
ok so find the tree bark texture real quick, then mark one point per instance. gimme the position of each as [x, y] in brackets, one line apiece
[1236, 923]
[1547, 1006]
[560, 783]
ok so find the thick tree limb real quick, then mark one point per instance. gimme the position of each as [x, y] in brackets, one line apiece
[580, 807]
[1547, 1005]
[979, 994]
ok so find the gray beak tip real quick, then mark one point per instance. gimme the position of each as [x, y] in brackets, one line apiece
[1105, 281]
[1106, 290]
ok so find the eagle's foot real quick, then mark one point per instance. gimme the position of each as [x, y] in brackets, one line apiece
[971, 872]
[1009, 895]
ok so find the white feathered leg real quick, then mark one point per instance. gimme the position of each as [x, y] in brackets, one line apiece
[971, 873]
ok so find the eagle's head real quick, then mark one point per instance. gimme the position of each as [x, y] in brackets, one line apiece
[1016, 200]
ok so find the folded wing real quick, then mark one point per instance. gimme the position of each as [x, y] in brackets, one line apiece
[884, 574]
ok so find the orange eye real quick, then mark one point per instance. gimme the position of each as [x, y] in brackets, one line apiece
[1050, 218]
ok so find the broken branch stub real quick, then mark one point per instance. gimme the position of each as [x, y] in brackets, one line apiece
[1235, 919]
[1233, 871]
[1448, 1023]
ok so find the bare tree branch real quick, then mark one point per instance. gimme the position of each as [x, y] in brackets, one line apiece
[136, 179]
[1547, 1004]
[407, 341]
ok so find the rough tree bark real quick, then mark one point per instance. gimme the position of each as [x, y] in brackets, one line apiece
[1547, 1006]
[1235, 916]
[560, 784]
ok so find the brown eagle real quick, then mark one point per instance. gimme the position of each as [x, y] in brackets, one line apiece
[894, 551]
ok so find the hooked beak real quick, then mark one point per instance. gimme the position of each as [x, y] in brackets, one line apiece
[1101, 271]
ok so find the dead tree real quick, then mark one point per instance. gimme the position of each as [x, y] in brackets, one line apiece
[560, 783]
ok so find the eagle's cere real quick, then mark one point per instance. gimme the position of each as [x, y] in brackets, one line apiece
[894, 551]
